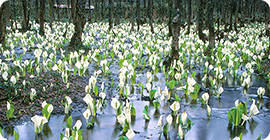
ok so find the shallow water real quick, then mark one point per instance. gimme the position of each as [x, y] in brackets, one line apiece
[204, 128]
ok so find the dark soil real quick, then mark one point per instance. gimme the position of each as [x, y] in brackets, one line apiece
[55, 93]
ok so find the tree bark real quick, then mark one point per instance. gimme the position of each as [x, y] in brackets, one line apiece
[138, 14]
[25, 21]
[3, 23]
[175, 37]
[150, 3]
[189, 16]
[90, 11]
[42, 14]
[37, 8]
[200, 20]
[110, 15]
[132, 16]
[51, 12]
[211, 27]
[170, 18]
[78, 16]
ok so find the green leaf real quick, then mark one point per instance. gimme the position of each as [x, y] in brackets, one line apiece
[156, 104]
[96, 90]
[123, 138]
[69, 122]
[171, 84]
[145, 111]
[126, 126]
[152, 94]
[176, 97]
[165, 128]
[229, 118]
[16, 135]
[259, 138]
[132, 110]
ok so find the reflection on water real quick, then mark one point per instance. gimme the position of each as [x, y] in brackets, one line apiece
[204, 128]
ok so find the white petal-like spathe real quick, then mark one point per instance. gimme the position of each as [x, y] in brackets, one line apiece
[160, 121]
[208, 110]
[77, 125]
[130, 134]
[121, 119]
[50, 108]
[115, 103]
[68, 100]
[175, 106]
[8, 106]
[184, 117]
[169, 119]
[88, 99]
[205, 97]
[44, 103]
[253, 110]
[236, 103]
[87, 114]
[180, 132]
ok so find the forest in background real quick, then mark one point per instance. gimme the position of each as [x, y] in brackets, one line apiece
[217, 16]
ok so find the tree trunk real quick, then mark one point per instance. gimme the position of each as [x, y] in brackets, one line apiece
[231, 13]
[3, 23]
[200, 20]
[243, 13]
[211, 28]
[51, 12]
[150, 3]
[189, 16]
[138, 14]
[58, 10]
[170, 18]
[42, 14]
[25, 21]
[132, 15]
[110, 15]
[175, 38]
[78, 12]
[90, 11]
[37, 8]
[96, 10]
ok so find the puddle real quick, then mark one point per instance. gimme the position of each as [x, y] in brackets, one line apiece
[204, 128]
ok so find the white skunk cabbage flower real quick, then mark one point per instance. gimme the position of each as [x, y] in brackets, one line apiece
[208, 110]
[184, 117]
[115, 103]
[261, 91]
[130, 134]
[180, 132]
[205, 97]
[77, 125]
[253, 110]
[39, 121]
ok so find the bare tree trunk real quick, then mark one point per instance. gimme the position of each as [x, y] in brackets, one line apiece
[200, 20]
[132, 16]
[231, 14]
[90, 11]
[189, 16]
[211, 27]
[150, 3]
[236, 16]
[138, 15]
[51, 12]
[3, 23]
[58, 10]
[243, 13]
[170, 18]
[25, 21]
[37, 8]
[42, 14]
[102, 9]
[78, 12]
[96, 10]
[175, 37]
[110, 15]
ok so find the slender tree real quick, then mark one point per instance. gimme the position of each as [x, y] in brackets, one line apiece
[189, 16]
[42, 14]
[200, 20]
[150, 4]
[78, 12]
[2, 23]
[25, 21]
[138, 15]
[211, 27]
[110, 15]
[131, 15]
